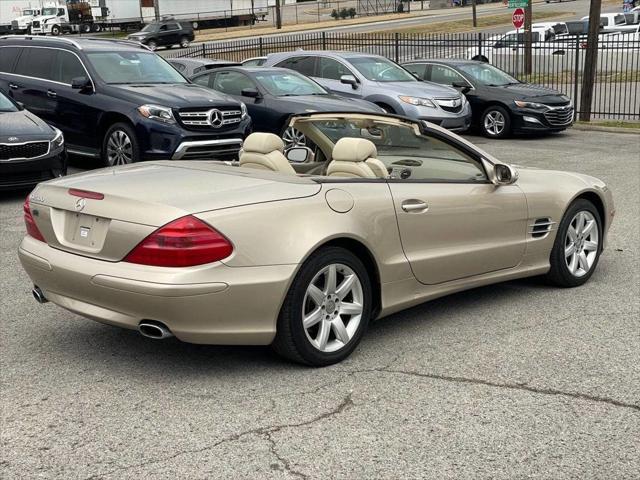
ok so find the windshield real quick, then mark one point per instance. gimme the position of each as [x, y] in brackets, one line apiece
[50, 11]
[152, 27]
[488, 75]
[28, 12]
[6, 105]
[378, 69]
[281, 84]
[125, 68]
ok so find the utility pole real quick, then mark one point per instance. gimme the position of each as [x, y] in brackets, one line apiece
[528, 19]
[278, 15]
[473, 11]
[156, 9]
[590, 61]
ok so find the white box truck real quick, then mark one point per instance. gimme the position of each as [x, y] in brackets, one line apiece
[11, 10]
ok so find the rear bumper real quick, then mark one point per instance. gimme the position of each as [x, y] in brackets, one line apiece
[27, 173]
[209, 304]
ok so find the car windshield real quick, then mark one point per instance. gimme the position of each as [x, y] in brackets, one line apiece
[122, 68]
[49, 11]
[288, 84]
[152, 27]
[28, 12]
[488, 74]
[6, 105]
[378, 69]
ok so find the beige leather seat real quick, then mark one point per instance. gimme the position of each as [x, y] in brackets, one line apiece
[356, 158]
[264, 151]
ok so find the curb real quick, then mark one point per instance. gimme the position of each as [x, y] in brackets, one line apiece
[600, 128]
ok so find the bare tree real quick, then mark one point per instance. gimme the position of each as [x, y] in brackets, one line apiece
[590, 61]
[278, 15]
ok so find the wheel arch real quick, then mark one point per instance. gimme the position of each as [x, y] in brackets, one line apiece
[110, 118]
[596, 200]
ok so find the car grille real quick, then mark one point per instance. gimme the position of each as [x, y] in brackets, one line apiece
[23, 151]
[452, 105]
[208, 119]
[14, 25]
[559, 115]
[36, 24]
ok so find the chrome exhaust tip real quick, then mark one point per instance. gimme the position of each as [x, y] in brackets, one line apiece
[38, 295]
[154, 330]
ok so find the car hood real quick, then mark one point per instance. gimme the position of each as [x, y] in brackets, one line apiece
[419, 89]
[175, 95]
[139, 34]
[25, 126]
[154, 193]
[327, 103]
[537, 93]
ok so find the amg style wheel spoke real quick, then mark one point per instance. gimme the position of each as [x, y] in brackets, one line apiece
[340, 330]
[590, 246]
[331, 280]
[313, 318]
[323, 335]
[316, 294]
[345, 286]
[350, 309]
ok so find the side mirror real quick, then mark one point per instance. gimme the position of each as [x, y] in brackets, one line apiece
[500, 173]
[80, 83]
[250, 92]
[349, 80]
[20, 106]
[299, 155]
[463, 86]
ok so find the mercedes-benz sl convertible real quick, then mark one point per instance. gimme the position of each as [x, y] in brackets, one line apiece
[302, 250]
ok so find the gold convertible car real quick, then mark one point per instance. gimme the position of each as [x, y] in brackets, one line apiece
[302, 250]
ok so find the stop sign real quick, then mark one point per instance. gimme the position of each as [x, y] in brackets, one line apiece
[518, 18]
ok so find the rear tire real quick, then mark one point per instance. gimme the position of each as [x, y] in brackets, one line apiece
[328, 307]
[577, 247]
[55, 30]
[120, 146]
[184, 42]
[153, 45]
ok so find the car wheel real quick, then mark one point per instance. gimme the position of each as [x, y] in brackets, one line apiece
[480, 58]
[55, 30]
[85, 28]
[184, 42]
[386, 108]
[120, 146]
[153, 45]
[577, 246]
[327, 309]
[293, 138]
[495, 122]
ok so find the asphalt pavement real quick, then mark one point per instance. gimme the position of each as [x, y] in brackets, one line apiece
[516, 380]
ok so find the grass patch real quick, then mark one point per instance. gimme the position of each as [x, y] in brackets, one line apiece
[612, 123]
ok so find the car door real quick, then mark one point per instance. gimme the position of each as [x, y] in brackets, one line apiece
[453, 222]
[328, 73]
[31, 83]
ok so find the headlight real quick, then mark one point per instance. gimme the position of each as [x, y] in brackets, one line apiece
[417, 101]
[58, 140]
[156, 112]
[535, 106]
[243, 109]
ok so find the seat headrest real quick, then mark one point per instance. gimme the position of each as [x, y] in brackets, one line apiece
[263, 143]
[353, 150]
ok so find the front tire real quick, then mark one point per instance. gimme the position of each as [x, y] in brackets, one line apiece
[577, 246]
[495, 122]
[327, 309]
[153, 45]
[55, 30]
[184, 42]
[120, 146]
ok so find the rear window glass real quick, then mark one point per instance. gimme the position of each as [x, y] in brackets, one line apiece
[8, 56]
[36, 62]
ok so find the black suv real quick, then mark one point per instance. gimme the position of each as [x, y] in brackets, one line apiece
[165, 33]
[117, 101]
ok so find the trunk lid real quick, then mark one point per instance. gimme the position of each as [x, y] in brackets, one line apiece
[142, 197]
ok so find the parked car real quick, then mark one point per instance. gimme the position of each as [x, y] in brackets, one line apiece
[614, 22]
[273, 94]
[544, 41]
[190, 66]
[380, 81]
[254, 62]
[256, 254]
[164, 33]
[501, 104]
[30, 150]
[118, 101]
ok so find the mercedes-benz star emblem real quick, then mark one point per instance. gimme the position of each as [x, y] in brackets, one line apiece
[215, 118]
[80, 203]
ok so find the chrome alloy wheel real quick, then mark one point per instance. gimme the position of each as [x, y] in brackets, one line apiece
[332, 307]
[581, 243]
[494, 122]
[293, 138]
[119, 148]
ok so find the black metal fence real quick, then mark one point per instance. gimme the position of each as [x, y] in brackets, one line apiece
[556, 64]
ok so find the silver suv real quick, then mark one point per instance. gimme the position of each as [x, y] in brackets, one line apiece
[381, 81]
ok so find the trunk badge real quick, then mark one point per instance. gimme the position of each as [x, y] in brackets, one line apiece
[80, 203]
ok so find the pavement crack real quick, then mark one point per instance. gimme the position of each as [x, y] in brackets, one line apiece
[515, 386]
[264, 432]
[286, 464]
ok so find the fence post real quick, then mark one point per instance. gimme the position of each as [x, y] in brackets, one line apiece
[397, 46]
[324, 40]
[260, 47]
[479, 44]
[204, 50]
[576, 64]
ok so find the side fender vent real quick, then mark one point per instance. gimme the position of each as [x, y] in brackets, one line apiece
[541, 227]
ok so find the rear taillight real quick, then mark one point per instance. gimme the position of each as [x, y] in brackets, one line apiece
[30, 223]
[184, 242]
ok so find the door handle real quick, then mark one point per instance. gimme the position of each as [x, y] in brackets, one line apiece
[414, 206]
[13, 86]
[51, 93]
